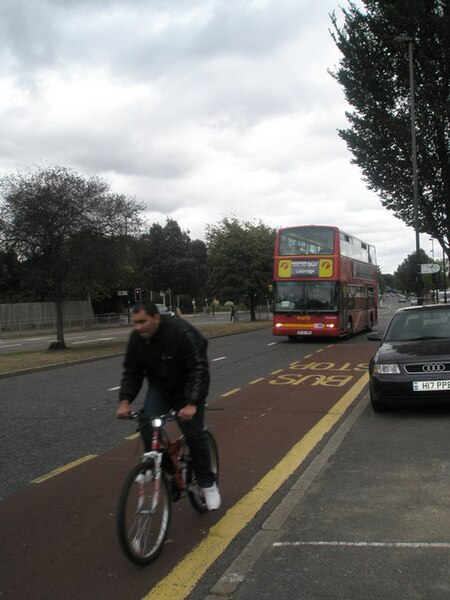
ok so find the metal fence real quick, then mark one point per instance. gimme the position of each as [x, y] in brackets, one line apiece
[26, 319]
[261, 314]
[22, 327]
[41, 316]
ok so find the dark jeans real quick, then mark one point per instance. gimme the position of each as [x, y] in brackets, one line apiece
[194, 430]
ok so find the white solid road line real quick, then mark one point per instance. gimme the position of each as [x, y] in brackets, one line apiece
[364, 544]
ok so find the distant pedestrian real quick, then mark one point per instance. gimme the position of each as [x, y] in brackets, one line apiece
[233, 313]
[178, 312]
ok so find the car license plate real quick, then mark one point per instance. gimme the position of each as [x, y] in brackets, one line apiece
[431, 386]
[304, 332]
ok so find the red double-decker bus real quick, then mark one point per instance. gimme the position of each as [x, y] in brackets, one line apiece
[325, 283]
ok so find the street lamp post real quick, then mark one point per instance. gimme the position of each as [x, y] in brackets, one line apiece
[434, 277]
[406, 39]
[444, 276]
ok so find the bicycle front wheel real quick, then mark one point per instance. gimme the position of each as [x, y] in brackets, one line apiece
[195, 493]
[143, 514]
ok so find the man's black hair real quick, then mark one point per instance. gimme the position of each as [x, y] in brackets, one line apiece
[149, 307]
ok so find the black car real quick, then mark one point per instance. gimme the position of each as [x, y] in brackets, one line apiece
[412, 363]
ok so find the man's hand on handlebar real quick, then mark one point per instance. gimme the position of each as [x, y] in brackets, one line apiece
[187, 412]
[123, 410]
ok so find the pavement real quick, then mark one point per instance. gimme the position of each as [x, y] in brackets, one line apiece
[368, 519]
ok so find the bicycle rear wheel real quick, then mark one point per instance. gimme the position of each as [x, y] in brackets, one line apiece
[143, 514]
[194, 491]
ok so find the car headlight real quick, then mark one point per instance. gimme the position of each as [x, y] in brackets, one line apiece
[386, 369]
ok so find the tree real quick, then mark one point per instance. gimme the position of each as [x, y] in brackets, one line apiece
[10, 276]
[170, 260]
[374, 73]
[240, 260]
[63, 225]
[193, 269]
[386, 281]
[406, 273]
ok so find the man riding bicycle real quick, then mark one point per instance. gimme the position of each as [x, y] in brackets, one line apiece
[171, 354]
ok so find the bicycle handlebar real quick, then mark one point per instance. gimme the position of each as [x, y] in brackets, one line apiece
[133, 415]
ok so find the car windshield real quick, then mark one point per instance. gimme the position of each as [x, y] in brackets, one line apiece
[419, 325]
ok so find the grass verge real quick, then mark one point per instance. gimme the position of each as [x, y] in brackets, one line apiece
[33, 360]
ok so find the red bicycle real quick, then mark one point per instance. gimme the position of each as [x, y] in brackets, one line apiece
[164, 476]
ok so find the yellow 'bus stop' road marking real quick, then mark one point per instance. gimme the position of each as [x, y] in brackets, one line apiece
[183, 577]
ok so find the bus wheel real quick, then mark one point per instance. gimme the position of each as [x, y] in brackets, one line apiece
[349, 328]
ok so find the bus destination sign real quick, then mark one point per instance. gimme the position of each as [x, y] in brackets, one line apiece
[320, 267]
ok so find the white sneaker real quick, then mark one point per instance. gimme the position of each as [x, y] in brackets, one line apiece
[212, 497]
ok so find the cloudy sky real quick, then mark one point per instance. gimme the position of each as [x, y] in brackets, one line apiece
[200, 109]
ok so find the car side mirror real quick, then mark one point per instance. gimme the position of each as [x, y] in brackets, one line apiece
[374, 337]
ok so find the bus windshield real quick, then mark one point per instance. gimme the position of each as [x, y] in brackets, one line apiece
[306, 241]
[306, 296]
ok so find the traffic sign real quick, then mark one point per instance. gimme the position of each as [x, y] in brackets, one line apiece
[428, 268]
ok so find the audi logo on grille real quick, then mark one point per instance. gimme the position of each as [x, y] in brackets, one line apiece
[436, 367]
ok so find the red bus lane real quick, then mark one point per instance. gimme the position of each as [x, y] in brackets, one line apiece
[58, 537]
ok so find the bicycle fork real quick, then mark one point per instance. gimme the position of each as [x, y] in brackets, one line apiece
[156, 458]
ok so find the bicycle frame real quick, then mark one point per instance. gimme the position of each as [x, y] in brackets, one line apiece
[161, 443]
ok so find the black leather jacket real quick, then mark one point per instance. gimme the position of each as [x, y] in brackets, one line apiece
[174, 361]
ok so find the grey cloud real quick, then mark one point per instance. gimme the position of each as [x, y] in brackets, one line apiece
[201, 55]
[142, 37]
